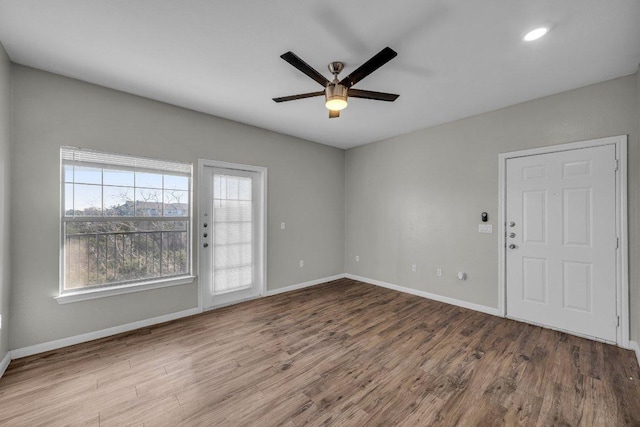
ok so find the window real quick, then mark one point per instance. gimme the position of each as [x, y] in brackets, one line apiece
[125, 220]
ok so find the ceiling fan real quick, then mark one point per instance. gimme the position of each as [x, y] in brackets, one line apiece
[337, 91]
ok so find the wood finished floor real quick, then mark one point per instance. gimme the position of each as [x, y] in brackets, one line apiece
[344, 353]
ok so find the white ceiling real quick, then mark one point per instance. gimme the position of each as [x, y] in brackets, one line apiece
[456, 58]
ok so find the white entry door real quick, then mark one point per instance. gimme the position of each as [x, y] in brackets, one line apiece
[231, 235]
[561, 240]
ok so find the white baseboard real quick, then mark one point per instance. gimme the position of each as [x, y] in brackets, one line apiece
[435, 297]
[4, 363]
[304, 285]
[633, 345]
[90, 336]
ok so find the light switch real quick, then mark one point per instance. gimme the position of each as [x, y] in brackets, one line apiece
[283, 226]
[485, 228]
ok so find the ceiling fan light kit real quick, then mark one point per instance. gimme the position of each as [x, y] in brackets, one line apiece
[337, 91]
[537, 33]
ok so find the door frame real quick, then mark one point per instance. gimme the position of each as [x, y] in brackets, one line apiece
[622, 253]
[261, 268]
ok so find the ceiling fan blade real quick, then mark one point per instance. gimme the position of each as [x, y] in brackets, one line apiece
[334, 114]
[378, 60]
[369, 94]
[301, 96]
[294, 60]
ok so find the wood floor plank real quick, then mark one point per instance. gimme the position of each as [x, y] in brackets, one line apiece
[342, 353]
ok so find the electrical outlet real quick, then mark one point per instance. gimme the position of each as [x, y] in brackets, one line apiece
[283, 226]
[301, 263]
[357, 258]
[413, 267]
[439, 272]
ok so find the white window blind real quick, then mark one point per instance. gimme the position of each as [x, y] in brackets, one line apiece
[71, 155]
[233, 233]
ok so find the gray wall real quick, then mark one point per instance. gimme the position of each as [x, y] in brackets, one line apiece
[635, 219]
[417, 198]
[305, 190]
[5, 181]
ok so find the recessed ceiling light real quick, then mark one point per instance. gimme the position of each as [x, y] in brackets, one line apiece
[535, 34]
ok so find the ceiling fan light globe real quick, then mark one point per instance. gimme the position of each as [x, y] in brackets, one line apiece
[535, 34]
[336, 103]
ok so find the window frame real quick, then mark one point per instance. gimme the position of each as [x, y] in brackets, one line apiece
[118, 288]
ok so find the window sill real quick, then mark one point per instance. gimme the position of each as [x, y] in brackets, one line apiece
[69, 297]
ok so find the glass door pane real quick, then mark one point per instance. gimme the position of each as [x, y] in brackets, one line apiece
[233, 233]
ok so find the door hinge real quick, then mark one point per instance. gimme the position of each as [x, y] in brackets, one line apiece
[617, 242]
[615, 165]
[617, 321]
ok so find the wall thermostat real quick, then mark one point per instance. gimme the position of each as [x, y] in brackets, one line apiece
[485, 217]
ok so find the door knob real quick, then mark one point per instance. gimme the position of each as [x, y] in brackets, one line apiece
[512, 224]
[512, 246]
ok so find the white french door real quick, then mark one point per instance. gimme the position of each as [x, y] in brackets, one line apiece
[231, 233]
[561, 240]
